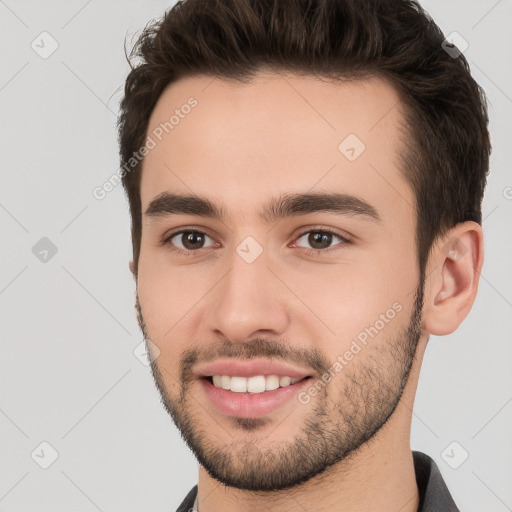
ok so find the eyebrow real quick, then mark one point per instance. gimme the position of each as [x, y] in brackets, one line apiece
[287, 205]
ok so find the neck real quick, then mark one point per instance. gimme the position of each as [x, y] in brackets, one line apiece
[378, 477]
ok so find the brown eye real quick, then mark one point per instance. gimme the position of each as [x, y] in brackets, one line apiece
[320, 240]
[188, 240]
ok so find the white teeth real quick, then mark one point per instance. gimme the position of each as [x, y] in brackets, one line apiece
[225, 382]
[239, 384]
[271, 382]
[256, 384]
[285, 381]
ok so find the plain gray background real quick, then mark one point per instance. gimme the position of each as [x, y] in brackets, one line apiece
[69, 375]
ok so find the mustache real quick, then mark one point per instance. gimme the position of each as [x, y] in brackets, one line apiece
[257, 348]
[274, 350]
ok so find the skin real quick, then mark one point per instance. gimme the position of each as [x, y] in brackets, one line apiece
[241, 145]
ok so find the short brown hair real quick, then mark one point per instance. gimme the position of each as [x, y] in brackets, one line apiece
[447, 159]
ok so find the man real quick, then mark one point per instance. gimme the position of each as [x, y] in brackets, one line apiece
[305, 183]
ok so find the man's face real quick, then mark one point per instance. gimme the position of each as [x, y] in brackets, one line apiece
[332, 295]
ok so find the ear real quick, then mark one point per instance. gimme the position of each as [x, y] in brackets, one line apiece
[453, 272]
[132, 269]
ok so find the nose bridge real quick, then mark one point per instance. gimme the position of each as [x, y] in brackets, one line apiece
[248, 299]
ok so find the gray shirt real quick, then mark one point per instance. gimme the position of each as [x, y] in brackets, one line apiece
[434, 495]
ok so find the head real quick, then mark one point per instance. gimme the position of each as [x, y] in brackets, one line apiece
[345, 120]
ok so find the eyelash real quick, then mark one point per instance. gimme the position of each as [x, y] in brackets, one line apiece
[166, 241]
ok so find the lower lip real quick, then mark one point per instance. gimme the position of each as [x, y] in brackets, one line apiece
[250, 405]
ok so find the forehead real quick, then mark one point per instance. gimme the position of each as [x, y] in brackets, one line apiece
[280, 133]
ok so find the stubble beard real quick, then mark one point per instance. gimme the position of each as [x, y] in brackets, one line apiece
[348, 412]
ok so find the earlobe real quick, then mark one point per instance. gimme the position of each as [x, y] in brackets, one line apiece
[132, 268]
[455, 265]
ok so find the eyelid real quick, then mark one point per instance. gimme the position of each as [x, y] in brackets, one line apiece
[342, 234]
[184, 229]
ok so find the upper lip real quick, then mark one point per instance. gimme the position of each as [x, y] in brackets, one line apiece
[249, 368]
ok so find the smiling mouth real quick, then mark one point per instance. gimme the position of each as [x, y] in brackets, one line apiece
[253, 385]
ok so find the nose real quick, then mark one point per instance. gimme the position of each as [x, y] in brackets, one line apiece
[249, 301]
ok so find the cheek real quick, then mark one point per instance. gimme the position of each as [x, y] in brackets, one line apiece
[342, 301]
[163, 310]
[171, 297]
[162, 306]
